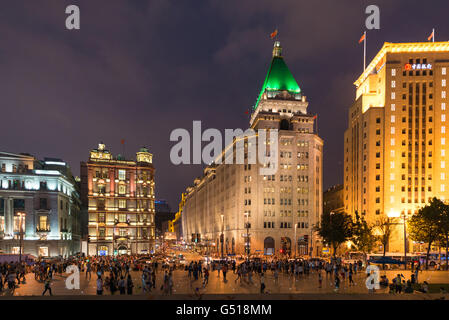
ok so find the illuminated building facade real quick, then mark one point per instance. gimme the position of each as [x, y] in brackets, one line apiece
[38, 202]
[233, 205]
[333, 199]
[175, 225]
[395, 145]
[119, 195]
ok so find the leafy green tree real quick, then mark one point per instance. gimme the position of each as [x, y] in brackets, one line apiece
[384, 226]
[425, 225]
[444, 228]
[362, 234]
[335, 229]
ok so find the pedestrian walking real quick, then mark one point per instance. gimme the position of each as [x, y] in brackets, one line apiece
[47, 286]
[121, 285]
[225, 270]
[129, 285]
[99, 286]
[262, 283]
[206, 277]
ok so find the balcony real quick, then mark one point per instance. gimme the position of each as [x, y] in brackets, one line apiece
[43, 229]
[122, 223]
[123, 237]
[64, 230]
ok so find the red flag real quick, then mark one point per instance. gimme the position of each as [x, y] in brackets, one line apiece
[362, 38]
[274, 34]
[246, 112]
[315, 116]
[431, 35]
[122, 141]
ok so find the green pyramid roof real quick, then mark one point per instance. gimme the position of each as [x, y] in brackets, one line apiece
[279, 77]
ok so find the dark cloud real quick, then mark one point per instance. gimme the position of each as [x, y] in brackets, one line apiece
[139, 69]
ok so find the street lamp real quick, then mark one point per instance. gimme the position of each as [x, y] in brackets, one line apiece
[396, 214]
[296, 241]
[248, 241]
[330, 222]
[21, 217]
[222, 236]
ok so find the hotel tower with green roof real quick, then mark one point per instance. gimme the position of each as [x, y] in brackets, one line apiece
[232, 207]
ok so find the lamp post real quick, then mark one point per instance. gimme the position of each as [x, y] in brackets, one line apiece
[222, 236]
[248, 239]
[330, 222]
[296, 241]
[395, 214]
[21, 216]
[311, 242]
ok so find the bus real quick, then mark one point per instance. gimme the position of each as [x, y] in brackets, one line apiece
[434, 258]
[353, 257]
[398, 256]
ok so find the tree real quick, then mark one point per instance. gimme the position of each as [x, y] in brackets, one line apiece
[444, 228]
[384, 226]
[335, 229]
[362, 234]
[424, 226]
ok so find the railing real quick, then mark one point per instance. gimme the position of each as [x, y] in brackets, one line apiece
[121, 237]
[44, 229]
[128, 222]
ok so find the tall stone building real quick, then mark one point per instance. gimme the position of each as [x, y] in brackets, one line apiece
[333, 199]
[39, 203]
[395, 145]
[233, 208]
[119, 196]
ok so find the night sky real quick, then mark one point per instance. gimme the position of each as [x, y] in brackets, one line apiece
[139, 69]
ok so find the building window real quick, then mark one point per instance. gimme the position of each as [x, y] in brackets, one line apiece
[122, 203]
[122, 174]
[43, 222]
[121, 189]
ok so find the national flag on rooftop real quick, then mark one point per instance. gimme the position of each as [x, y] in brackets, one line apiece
[362, 38]
[432, 36]
[274, 34]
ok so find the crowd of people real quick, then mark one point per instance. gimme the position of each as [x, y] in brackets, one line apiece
[114, 274]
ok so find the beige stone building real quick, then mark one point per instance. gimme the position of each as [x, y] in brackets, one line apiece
[119, 196]
[396, 143]
[231, 201]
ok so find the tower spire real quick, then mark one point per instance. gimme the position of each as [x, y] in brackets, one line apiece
[277, 49]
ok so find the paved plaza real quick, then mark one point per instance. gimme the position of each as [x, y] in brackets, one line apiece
[306, 284]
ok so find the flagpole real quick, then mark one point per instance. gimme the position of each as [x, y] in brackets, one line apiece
[364, 53]
[433, 32]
